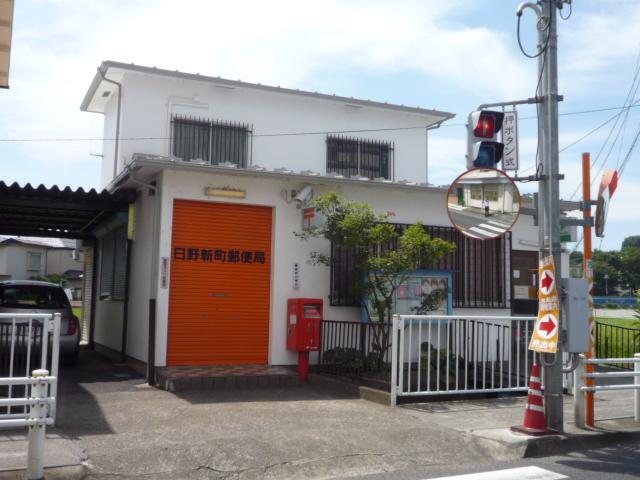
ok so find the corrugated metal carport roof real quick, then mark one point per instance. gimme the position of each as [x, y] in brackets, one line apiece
[54, 212]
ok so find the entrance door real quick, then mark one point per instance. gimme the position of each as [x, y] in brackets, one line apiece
[220, 284]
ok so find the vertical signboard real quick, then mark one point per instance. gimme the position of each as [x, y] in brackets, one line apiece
[510, 140]
[545, 334]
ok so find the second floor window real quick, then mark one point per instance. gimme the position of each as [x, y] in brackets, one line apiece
[365, 158]
[215, 142]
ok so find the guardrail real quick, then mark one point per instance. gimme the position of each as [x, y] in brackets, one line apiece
[580, 389]
[36, 420]
[451, 354]
[28, 341]
[22, 339]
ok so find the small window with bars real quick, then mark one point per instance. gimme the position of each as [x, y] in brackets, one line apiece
[214, 142]
[356, 157]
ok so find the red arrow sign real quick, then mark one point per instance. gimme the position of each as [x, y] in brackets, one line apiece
[548, 326]
[547, 281]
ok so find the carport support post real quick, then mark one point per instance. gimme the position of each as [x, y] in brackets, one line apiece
[37, 413]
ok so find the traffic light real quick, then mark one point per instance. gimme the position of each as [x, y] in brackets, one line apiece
[483, 149]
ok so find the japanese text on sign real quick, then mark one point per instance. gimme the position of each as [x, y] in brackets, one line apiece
[219, 255]
[510, 140]
[545, 334]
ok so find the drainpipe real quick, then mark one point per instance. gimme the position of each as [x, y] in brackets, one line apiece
[119, 85]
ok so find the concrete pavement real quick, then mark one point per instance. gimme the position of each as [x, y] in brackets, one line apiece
[111, 424]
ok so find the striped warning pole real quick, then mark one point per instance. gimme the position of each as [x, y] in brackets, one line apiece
[588, 275]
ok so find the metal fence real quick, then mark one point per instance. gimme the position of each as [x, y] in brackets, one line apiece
[617, 341]
[28, 342]
[580, 389]
[357, 350]
[449, 355]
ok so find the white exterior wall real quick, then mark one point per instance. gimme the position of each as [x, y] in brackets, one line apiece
[109, 134]
[149, 101]
[409, 206]
[59, 260]
[140, 279]
[13, 261]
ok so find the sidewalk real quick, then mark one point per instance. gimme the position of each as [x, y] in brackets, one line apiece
[111, 424]
[490, 420]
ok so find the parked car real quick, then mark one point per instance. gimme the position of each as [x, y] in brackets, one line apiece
[28, 296]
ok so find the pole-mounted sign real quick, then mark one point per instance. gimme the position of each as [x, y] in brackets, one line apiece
[510, 140]
[608, 186]
[545, 334]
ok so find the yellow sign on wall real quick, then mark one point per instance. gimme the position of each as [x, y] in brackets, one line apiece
[131, 224]
[545, 334]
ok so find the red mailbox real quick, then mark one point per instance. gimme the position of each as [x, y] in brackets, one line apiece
[303, 330]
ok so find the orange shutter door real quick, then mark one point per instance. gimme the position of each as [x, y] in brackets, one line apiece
[220, 284]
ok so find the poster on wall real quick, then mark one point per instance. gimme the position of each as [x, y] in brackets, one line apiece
[419, 288]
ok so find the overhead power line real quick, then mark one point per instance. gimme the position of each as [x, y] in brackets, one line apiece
[286, 134]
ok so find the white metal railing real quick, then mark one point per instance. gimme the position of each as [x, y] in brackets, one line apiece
[453, 354]
[24, 386]
[38, 403]
[580, 389]
[28, 341]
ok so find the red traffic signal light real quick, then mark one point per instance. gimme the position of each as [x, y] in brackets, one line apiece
[483, 149]
[486, 124]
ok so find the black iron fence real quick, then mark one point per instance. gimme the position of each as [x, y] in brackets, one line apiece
[615, 341]
[357, 350]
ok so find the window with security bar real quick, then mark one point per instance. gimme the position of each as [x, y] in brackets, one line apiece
[357, 157]
[480, 270]
[214, 142]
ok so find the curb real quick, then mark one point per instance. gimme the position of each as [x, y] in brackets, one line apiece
[66, 472]
[504, 443]
[554, 444]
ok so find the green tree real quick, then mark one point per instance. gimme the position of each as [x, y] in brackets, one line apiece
[608, 271]
[630, 258]
[632, 241]
[51, 278]
[384, 256]
[381, 268]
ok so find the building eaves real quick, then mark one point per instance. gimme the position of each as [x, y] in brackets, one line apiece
[104, 67]
[154, 162]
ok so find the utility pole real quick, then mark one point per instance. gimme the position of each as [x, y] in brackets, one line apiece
[548, 176]
[550, 184]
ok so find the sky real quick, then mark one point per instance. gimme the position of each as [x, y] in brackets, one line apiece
[450, 56]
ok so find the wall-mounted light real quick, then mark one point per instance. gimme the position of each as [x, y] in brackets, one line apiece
[227, 192]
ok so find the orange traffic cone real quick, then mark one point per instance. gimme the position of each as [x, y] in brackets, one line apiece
[534, 420]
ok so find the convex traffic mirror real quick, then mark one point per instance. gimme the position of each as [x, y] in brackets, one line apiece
[483, 203]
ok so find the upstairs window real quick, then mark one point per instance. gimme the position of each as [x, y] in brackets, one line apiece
[214, 142]
[365, 158]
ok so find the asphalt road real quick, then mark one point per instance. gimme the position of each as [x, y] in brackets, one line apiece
[474, 223]
[616, 462]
